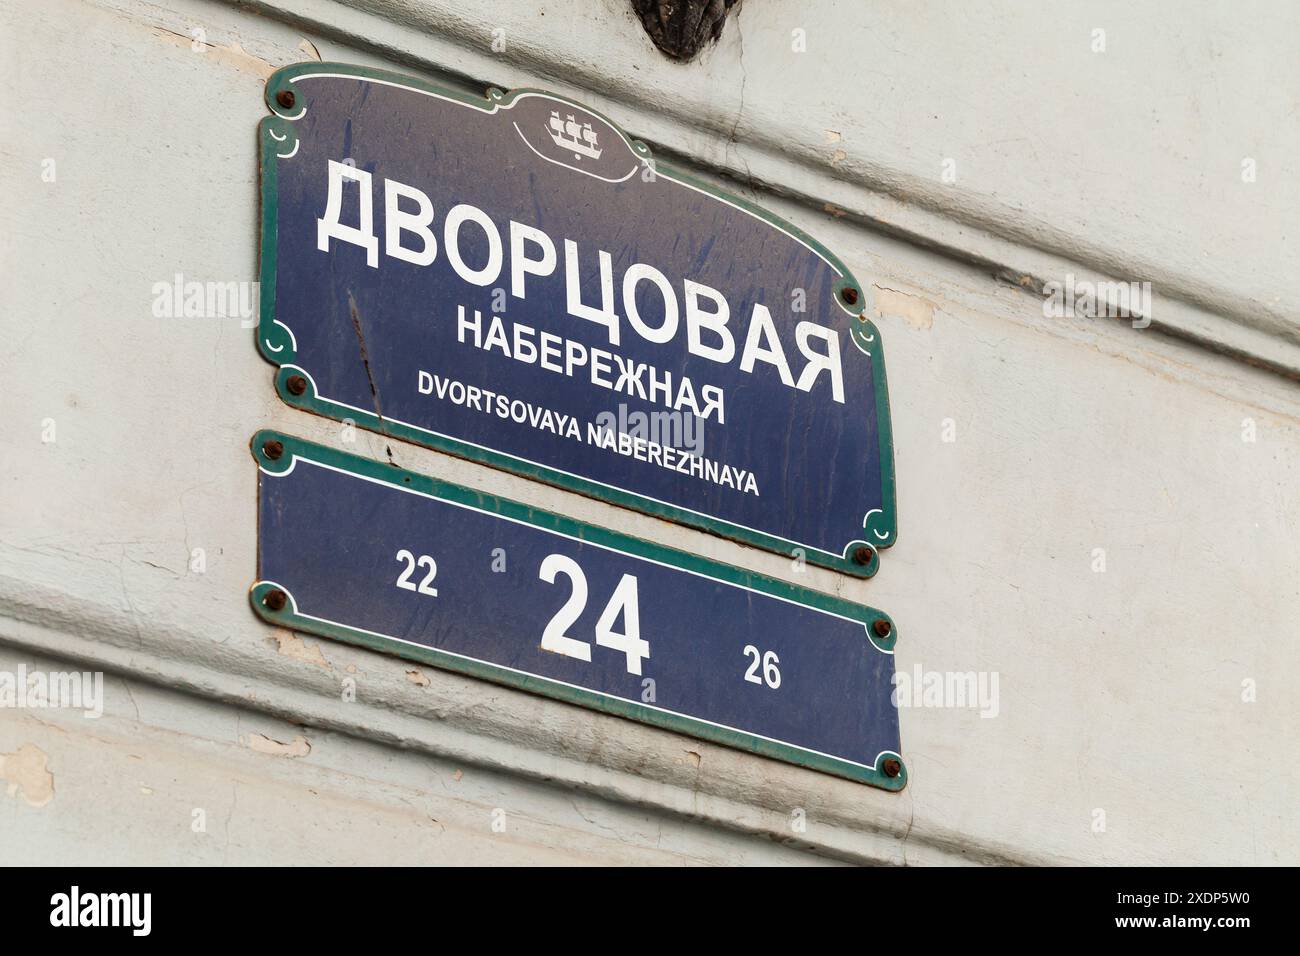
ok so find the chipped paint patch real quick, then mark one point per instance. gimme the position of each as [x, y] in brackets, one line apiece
[27, 771]
[298, 747]
[291, 645]
[417, 678]
[234, 55]
[917, 312]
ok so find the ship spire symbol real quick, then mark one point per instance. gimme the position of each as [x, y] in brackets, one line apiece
[567, 133]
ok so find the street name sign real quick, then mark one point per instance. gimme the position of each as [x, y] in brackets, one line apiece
[364, 552]
[512, 279]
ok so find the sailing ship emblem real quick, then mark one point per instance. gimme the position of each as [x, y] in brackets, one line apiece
[568, 134]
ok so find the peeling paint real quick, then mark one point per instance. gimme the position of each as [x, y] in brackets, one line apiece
[417, 678]
[291, 645]
[233, 56]
[917, 312]
[27, 771]
[298, 747]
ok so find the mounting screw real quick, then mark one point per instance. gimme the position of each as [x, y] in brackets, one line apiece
[275, 600]
[296, 384]
[881, 627]
[862, 554]
[892, 767]
[285, 98]
[849, 295]
[273, 449]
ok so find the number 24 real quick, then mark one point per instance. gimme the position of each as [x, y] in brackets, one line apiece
[623, 599]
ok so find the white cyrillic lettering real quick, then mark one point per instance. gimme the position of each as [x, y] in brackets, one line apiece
[551, 347]
[525, 347]
[600, 367]
[521, 264]
[462, 324]
[715, 321]
[663, 389]
[362, 234]
[451, 242]
[496, 336]
[712, 397]
[396, 222]
[629, 372]
[635, 273]
[830, 361]
[575, 354]
[605, 315]
[760, 325]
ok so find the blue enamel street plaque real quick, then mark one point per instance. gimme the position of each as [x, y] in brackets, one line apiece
[513, 280]
[367, 553]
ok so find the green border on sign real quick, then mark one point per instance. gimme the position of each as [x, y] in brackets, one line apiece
[291, 617]
[279, 140]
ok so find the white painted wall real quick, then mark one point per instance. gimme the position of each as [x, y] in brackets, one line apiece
[1119, 691]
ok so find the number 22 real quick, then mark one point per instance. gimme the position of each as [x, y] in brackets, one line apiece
[404, 580]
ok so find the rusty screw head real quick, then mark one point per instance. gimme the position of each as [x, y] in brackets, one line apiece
[849, 295]
[892, 767]
[273, 449]
[862, 554]
[285, 98]
[275, 599]
[296, 384]
[882, 627]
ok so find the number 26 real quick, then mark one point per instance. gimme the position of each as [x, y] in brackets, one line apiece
[771, 673]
